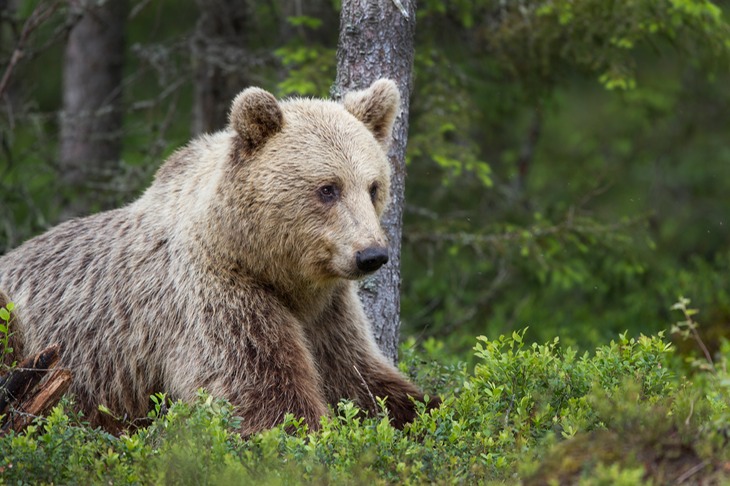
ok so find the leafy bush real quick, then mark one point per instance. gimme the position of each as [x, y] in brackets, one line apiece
[620, 415]
[6, 317]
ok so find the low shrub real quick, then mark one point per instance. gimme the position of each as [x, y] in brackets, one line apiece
[533, 413]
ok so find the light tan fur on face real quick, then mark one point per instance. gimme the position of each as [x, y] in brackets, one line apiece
[229, 273]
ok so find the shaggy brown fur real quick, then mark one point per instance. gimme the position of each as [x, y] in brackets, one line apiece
[234, 272]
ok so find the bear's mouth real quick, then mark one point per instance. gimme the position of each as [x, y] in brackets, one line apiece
[359, 274]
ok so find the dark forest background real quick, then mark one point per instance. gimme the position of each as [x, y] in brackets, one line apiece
[568, 162]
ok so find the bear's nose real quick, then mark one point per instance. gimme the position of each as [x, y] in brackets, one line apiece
[370, 259]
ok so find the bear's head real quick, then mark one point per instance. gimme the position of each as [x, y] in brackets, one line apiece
[309, 181]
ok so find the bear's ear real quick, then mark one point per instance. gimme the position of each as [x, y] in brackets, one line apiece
[255, 116]
[377, 108]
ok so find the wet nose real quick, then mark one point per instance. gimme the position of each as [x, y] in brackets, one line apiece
[370, 259]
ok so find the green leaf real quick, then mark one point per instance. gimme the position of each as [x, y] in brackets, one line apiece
[305, 21]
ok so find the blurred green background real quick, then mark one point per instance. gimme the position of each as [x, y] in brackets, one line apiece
[568, 162]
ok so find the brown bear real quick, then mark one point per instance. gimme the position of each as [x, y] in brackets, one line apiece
[235, 271]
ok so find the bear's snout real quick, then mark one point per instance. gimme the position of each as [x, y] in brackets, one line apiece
[370, 259]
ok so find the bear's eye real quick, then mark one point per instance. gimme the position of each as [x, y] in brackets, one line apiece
[329, 193]
[374, 192]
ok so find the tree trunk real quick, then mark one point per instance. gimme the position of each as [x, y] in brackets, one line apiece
[91, 121]
[376, 41]
[219, 61]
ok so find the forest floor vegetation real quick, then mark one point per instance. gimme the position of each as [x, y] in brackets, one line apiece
[629, 412]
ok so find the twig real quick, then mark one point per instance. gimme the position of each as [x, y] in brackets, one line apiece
[138, 8]
[509, 410]
[692, 326]
[475, 240]
[17, 54]
[701, 343]
[691, 412]
[691, 472]
[375, 403]
[36, 18]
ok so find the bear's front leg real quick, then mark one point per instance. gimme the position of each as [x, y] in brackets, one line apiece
[259, 361]
[380, 379]
[279, 380]
[353, 367]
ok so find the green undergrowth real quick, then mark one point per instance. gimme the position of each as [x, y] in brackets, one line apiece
[630, 412]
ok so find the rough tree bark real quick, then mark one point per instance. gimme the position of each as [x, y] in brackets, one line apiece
[91, 120]
[376, 41]
[218, 54]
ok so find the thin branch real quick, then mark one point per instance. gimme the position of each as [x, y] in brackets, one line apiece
[474, 240]
[691, 412]
[705, 351]
[36, 18]
[138, 8]
[367, 388]
[691, 472]
[509, 410]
